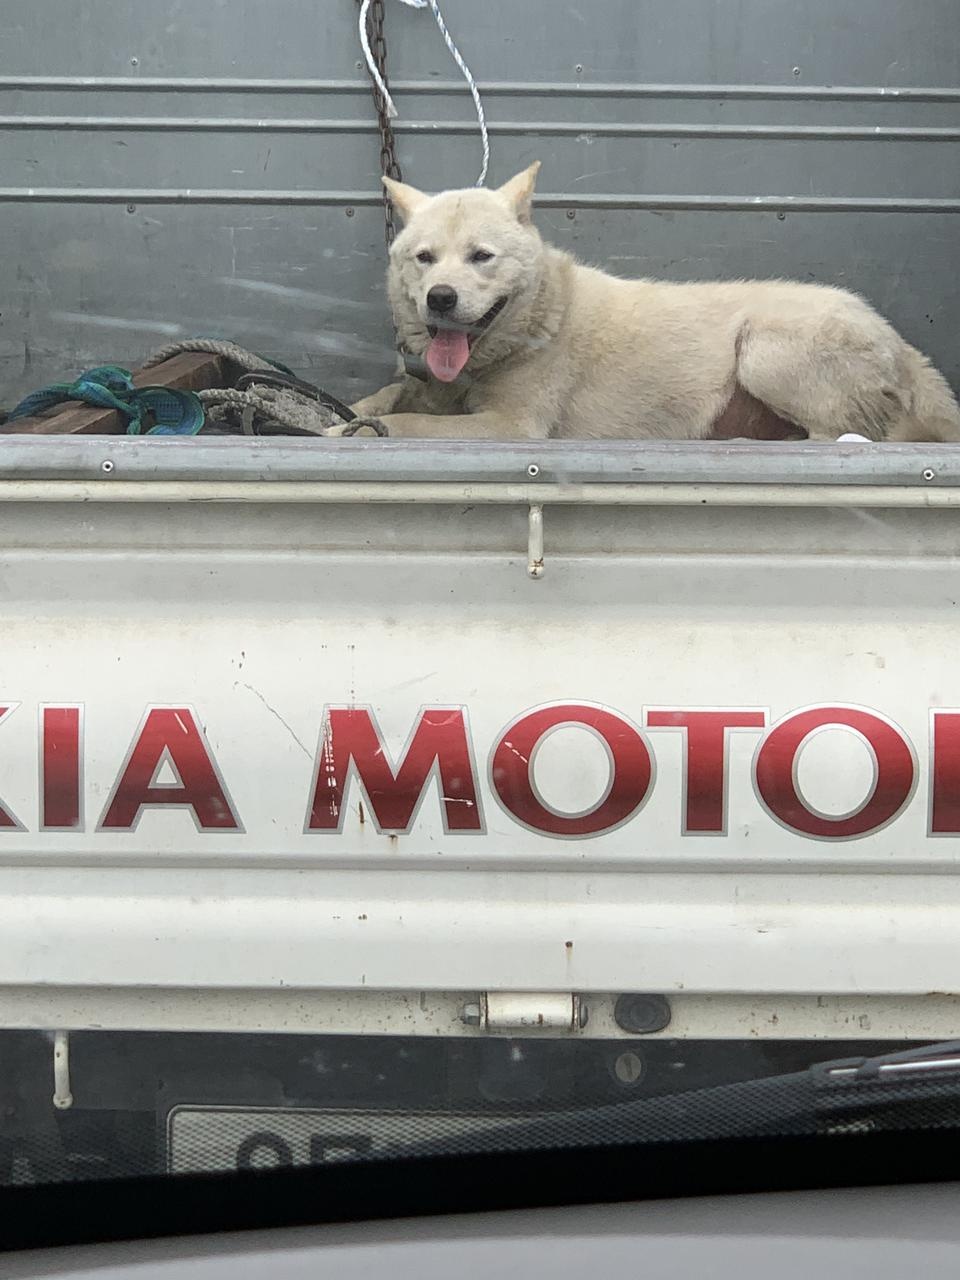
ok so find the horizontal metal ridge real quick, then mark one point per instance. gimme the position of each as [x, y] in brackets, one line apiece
[699, 494]
[478, 462]
[540, 128]
[507, 88]
[551, 200]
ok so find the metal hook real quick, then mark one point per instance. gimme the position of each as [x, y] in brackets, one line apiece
[535, 541]
[62, 1097]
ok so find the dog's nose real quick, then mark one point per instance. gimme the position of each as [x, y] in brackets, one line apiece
[441, 298]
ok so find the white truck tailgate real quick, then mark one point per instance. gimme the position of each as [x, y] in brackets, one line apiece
[298, 724]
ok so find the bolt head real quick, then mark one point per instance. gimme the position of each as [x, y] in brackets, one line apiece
[628, 1067]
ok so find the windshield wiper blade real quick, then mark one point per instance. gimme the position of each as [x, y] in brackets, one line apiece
[940, 1058]
[920, 1086]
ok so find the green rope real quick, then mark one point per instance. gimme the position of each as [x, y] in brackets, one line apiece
[171, 411]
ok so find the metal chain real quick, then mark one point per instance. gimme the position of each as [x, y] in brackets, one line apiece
[389, 165]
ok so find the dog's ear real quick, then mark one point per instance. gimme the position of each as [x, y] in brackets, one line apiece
[406, 199]
[518, 192]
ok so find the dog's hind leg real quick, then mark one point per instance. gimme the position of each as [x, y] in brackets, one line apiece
[845, 370]
[828, 374]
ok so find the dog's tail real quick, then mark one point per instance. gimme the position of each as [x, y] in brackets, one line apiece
[934, 413]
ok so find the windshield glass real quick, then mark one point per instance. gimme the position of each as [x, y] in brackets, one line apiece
[478, 572]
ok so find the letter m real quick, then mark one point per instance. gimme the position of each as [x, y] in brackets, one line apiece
[351, 747]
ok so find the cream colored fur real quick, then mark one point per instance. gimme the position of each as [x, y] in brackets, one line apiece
[578, 354]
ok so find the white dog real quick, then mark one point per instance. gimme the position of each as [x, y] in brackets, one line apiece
[511, 338]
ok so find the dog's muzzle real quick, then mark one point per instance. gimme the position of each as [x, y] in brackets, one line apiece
[477, 327]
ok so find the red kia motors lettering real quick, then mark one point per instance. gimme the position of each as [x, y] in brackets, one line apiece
[944, 773]
[512, 768]
[351, 743]
[705, 761]
[169, 735]
[61, 744]
[776, 780]
[7, 821]
[353, 762]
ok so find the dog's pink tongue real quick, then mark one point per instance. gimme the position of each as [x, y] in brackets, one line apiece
[447, 353]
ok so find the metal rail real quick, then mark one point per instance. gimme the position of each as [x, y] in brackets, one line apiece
[501, 88]
[536, 495]
[553, 200]
[537, 128]
[111, 460]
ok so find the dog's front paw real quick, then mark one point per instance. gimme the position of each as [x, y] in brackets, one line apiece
[364, 426]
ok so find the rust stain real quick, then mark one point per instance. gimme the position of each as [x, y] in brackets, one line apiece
[362, 815]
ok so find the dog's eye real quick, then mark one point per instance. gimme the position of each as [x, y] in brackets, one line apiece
[426, 257]
[481, 255]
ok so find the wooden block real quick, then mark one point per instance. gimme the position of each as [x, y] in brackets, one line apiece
[189, 371]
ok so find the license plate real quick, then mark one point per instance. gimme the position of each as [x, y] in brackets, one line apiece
[213, 1139]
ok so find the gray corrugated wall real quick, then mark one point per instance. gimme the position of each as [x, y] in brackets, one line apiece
[217, 171]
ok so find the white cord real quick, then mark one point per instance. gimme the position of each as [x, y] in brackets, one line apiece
[471, 83]
[455, 54]
[371, 65]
